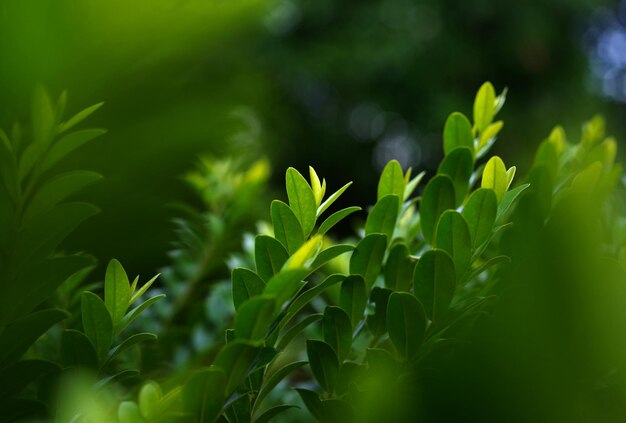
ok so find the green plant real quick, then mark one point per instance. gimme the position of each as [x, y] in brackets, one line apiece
[35, 217]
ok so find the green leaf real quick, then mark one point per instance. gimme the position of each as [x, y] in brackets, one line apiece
[44, 233]
[236, 360]
[330, 200]
[458, 165]
[21, 334]
[335, 218]
[269, 255]
[42, 112]
[406, 323]
[508, 199]
[337, 331]
[368, 256]
[246, 284]
[480, 214]
[487, 136]
[316, 186]
[457, 132]
[324, 363]
[129, 342]
[313, 404]
[412, 184]
[495, 177]
[547, 156]
[484, 106]
[285, 284]
[295, 330]
[150, 395]
[67, 144]
[270, 380]
[77, 350]
[303, 256]
[494, 261]
[307, 296]
[453, 236]
[330, 253]
[438, 197]
[391, 181]
[338, 410]
[57, 190]
[137, 295]
[434, 282]
[203, 395]
[383, 216]
[301, 200]
[254, 317]
[17, 376]
[27, 162]
[116, 290]
[269, 414]
[135, 312]
[399, 269]
[353, 298]
[97, 323]
[377, 322]
[79, 117]
[287, 228]
[128, 412]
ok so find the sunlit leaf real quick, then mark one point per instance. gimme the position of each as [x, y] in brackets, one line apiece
[391, 181]
[301, 200]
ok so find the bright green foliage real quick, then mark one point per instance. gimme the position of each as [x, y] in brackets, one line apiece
[344, 317]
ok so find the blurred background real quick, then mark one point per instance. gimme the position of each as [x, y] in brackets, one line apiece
[340, 85]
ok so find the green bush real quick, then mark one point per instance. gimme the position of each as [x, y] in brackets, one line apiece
[353, 326]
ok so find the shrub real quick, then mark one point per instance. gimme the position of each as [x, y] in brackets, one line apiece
[354, 325]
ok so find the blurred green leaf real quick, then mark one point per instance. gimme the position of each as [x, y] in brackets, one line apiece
[79, 117]
[330, 253]
[68, 143]
[203, 395]
[21, 334]
[268, 415]
[58, 189]
[77, 350]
